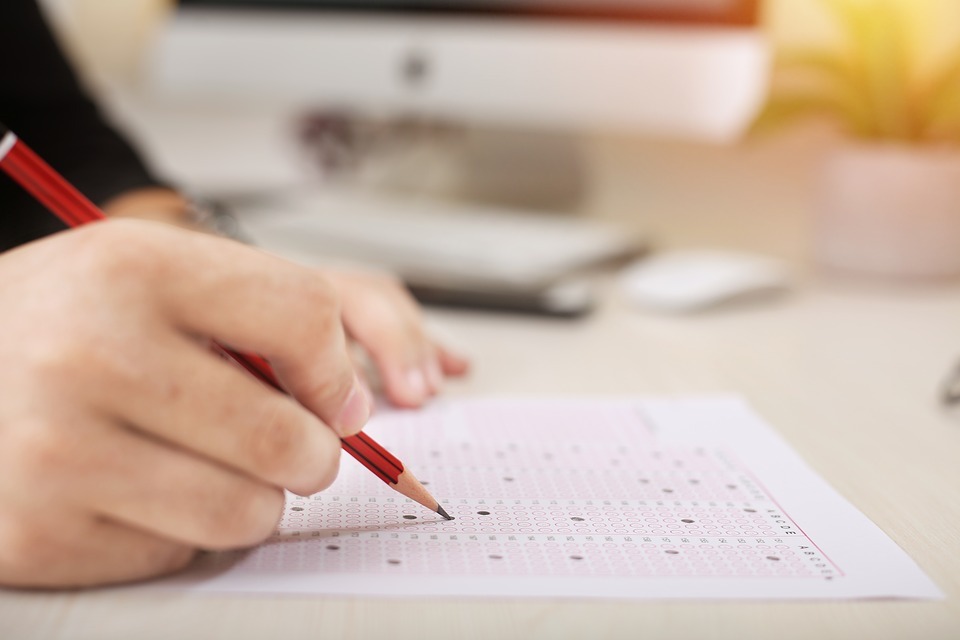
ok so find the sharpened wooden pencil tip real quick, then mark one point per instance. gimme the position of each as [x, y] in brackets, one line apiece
[441, 511]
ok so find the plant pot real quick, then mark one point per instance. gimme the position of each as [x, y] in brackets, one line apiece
[889, 210]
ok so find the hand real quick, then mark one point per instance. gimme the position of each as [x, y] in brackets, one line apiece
[378, 312]
[125, 444]
[381, 315]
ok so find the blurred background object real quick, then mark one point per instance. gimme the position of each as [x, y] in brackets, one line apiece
[623, 115]
[890, 195]
[517, 80]
[694, 281]
[109, 39]
[478, 101]
[541, 64]
[469, 103]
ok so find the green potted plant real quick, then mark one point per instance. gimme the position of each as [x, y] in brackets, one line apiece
[889, 196]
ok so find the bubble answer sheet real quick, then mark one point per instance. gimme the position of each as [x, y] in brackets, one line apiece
[620, 499]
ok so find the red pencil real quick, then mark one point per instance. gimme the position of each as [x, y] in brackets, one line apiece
[68, 204]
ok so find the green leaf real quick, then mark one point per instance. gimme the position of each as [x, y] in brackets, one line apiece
[829, 64]
[783, 109]
[829, 72]
[876, 44]
[852, 16]
[944, 123]
[869, 82]
[886, 64]
[941, 99]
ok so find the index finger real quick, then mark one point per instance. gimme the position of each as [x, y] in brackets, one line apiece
[252, 301]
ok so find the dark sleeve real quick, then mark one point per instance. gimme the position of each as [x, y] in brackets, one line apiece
[42, 102]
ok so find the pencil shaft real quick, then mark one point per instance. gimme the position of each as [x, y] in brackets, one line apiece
[45, 184]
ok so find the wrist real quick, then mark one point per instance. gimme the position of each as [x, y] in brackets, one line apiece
[161, 205]
[171, 207]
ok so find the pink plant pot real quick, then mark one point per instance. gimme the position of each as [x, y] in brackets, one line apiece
[890, 211]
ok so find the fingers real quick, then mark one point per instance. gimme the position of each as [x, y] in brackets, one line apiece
[381, 315]
[123, 444]
[91, 552]
[398, 390]
[205, 405]
[452, 364]
[409, 385]
[253, 302]
[176, 496]
[410, 376]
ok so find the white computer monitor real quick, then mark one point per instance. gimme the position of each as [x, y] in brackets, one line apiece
[687, 68]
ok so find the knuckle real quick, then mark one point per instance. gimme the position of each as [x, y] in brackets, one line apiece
[38, 451]
[117, 249]
[391, 280]
[329, 391]
[62, 362]
[404, 337]
[246, 518]
[394, 287]
[277, 439]
[386, 280]
[322, 309]
[327, 471]
[47, 359]
[24, 551]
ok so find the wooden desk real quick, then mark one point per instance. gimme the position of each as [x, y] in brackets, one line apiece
[847, 372]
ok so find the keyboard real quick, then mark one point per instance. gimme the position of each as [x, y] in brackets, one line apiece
[455, 252]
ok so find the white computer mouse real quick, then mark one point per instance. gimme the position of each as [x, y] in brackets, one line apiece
[689, 281]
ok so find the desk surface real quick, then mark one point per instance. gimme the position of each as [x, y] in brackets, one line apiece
[847, 371]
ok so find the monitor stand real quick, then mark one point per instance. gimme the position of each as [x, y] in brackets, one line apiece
[508, 167]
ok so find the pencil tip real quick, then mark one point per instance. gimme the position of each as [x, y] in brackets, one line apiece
[445, 515]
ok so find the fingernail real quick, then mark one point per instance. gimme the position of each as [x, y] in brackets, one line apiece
[356, 411]
[434, 375]
[417, 382]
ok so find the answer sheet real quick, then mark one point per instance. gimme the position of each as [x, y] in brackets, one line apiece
[625, 499]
